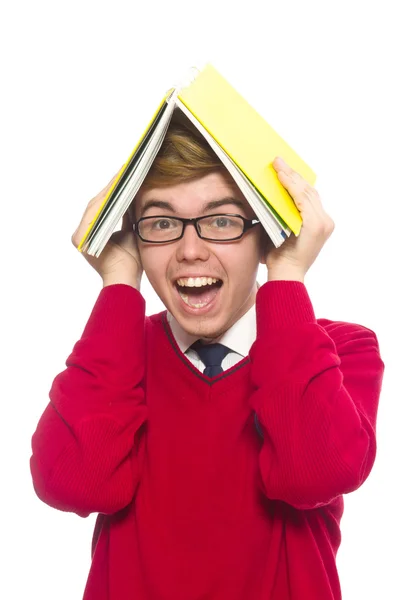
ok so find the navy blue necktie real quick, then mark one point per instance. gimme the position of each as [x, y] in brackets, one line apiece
[212, 356]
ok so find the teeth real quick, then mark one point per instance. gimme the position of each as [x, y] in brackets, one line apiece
[185, 298]
[196, 281]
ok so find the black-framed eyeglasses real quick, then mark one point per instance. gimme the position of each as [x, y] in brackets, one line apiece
[159, 229]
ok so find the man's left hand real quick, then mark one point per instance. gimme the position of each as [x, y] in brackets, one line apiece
[295, 256]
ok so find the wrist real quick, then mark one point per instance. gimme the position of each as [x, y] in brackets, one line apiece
[285, 275]
[113, 279]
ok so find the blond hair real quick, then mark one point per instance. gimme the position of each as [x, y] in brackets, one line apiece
[184, 155]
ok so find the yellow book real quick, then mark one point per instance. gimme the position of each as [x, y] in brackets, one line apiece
[124, 173]
[245, 143]
[247, 138]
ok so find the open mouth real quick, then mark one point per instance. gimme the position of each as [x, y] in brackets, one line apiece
[198, 292]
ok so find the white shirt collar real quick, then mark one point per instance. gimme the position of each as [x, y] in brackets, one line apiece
[239, 338]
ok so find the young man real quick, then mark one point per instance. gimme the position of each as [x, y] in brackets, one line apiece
[216, 439]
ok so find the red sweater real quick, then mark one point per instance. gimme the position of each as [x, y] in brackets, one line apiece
[194, 504]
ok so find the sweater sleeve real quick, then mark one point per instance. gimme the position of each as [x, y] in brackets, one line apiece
[86, 454]
[316, 392]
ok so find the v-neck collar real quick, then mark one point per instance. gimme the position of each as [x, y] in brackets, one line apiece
[239, 338]
[181, 356]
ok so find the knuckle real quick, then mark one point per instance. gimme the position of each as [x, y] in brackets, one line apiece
[310, 191]
[330, 225]
[318, 230]
[325, 227]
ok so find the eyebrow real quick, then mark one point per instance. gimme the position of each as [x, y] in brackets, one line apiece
[209, 206]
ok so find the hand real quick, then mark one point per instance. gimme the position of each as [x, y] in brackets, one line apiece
[295, 256]
[119, 261]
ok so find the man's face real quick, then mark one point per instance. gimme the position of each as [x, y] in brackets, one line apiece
[210, 310]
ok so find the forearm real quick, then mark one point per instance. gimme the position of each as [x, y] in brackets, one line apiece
[85, 440]
[318, 419]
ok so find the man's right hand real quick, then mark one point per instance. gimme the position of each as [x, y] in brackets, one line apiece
[119, 261]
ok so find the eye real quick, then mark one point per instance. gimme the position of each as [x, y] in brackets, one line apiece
[162, 224]
[221, 222]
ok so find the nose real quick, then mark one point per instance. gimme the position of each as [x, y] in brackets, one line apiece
[191, 247]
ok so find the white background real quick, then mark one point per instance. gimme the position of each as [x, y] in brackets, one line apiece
[79, 80]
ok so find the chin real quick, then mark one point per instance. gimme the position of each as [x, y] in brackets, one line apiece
[210, 327]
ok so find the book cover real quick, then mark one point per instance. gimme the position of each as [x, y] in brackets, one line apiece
[246, 137]
[123, 174]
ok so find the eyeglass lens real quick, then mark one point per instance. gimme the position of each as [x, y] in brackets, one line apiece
[216, 227]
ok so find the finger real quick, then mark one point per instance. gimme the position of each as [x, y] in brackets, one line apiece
[303, 195]
[103, 192]
[90, 212]
[89, 215]
[311, 193]
[92, 209]
[308, 202]
[109, 185]
[279, 164]
[292, 179]
[293, 187]
[306, 197]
